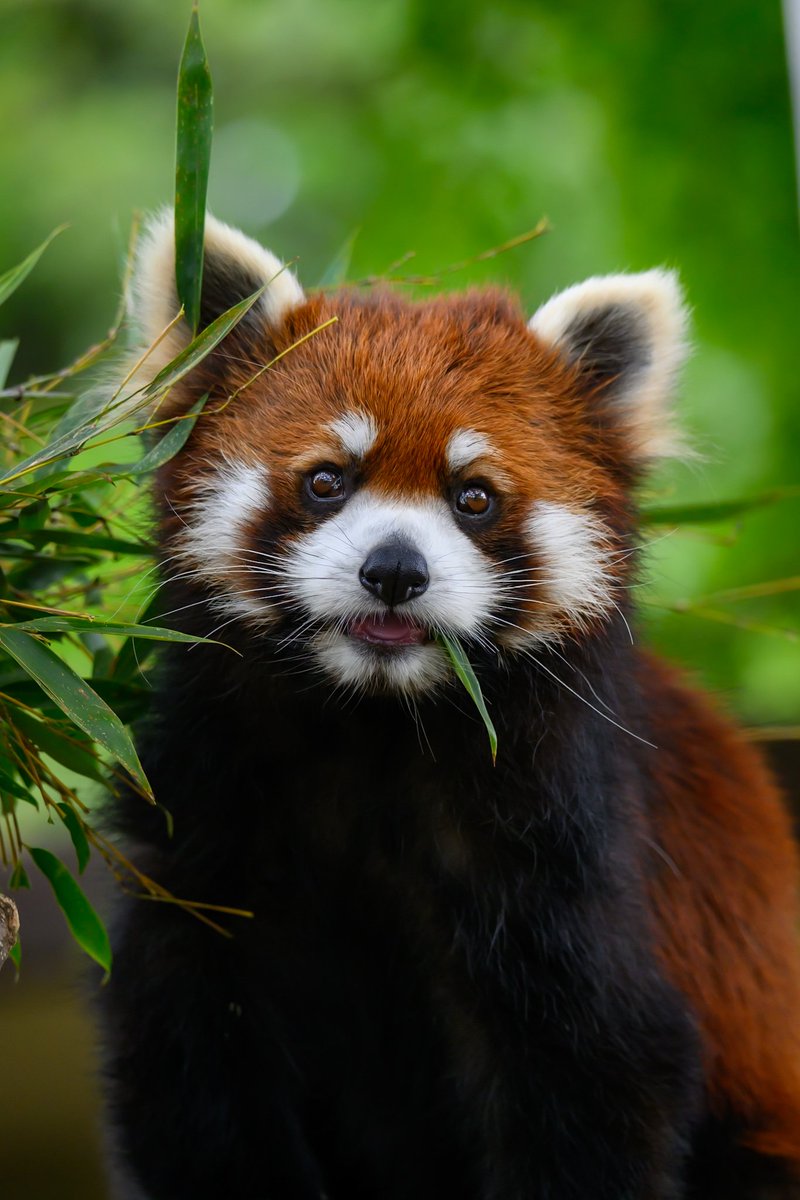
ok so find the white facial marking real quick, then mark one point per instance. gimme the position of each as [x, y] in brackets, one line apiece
[356, 431]
[464, 447]
[322, 571]
[212, 541]
[576, 550]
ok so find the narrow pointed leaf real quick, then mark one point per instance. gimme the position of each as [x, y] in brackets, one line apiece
[8, 349]
[192, 159]
[336, 271]
[15, 954]
[61, 748]
[156, 633]
[10, 281]
[75, 697]
[722, 510]
[85, 925]
[82, 851]
[166, 447]
[202, 345]
[464, 671]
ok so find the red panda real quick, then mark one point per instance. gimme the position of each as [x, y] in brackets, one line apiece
[571, 975]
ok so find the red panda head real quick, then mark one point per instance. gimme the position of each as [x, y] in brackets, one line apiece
[411, 469]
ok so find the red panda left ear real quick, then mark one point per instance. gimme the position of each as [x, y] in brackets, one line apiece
[234, 267]
[625, 336]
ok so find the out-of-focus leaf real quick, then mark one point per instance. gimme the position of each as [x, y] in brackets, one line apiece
[15, 954]
[10, 281]
[9, 786]
[193, 155]
[59, 746]
[8, 348]
[463, 669]
[92, 541]
[722, 510]
[75, 697]
[85, 925]
[19, 878]
[82, 851]
[336, 271]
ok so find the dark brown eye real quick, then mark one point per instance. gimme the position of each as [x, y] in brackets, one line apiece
[326, 484]
[474, 501]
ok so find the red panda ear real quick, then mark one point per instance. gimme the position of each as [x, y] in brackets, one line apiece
[625, 336]
[234, 267]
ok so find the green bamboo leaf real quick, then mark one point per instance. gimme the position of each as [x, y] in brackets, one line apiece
[15, 954]
[336, 271]
[464, 671]
[9, 787]
[19, 878]
[723, 510]
[86, 625]
[92, 541]
[167, 446]
[85, 925]
[10, 281]
[75, 697]
[202, 345]
[75, 831]
[59, 746]
[8, 348]
[192, 158]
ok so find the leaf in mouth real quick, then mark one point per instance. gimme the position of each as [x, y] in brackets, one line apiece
[463, 669]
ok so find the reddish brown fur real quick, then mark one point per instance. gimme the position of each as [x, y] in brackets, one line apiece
[725, 868]
[725, 896]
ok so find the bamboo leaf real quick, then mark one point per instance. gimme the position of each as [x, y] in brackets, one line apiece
[81, 624]
[8, 348]
[61, 748]
[75, 697]
[9, 786]
[85, 925]
[167, 446]
[707, 514]
[19, 877]
[10, 281]
[192, 158]
[75, 830]
[202, 345]
[15, 954]
[92, 541]
[464, 671]
[336, 271]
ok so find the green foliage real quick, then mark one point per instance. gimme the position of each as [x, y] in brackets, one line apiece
[492, 116]
[192, 159]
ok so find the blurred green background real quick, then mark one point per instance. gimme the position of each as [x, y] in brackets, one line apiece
[649, 134]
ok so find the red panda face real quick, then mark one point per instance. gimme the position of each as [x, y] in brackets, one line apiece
[412, 470]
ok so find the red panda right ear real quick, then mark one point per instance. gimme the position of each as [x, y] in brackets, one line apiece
[234, 267]
[625, 338]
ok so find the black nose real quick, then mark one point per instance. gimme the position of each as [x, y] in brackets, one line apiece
[394, 572]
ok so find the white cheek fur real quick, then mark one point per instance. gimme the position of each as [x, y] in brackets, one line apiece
[575, 548]
[211, 543]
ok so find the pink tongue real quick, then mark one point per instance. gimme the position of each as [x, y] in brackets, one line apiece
[388, 630]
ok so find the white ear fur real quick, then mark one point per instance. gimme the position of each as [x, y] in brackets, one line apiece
[628, 334]
[154, 302]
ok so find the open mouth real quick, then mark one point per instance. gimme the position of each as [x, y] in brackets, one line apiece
[388, 630]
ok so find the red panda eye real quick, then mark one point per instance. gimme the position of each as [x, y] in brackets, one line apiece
[474, 501]
[326, 484]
